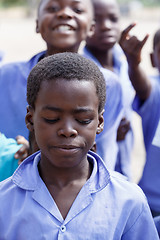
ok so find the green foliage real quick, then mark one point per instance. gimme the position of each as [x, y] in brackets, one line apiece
[10, 3]
[151, 3]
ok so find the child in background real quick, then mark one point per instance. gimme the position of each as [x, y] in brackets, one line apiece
[102, 47]
[65, 191]
[62, 30]
[147, 105]
[63, 25]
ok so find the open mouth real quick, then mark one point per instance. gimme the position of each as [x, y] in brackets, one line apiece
[64, 28]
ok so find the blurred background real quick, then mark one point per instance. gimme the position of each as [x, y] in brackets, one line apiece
[19, 41]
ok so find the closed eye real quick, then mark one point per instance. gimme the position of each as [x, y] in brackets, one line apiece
[83, 122]
[51, 121]
[52, 9]
[78, 10]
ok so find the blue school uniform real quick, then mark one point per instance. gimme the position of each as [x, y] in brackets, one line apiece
[157, 223]
[123, 157]
[107, 207]
[13, 83]
[150, 114]
[106, 141]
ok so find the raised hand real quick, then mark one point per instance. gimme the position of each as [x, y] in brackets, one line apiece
[131, 45]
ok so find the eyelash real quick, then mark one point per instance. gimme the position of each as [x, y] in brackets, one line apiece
[83, 122]
[51, 121]
[78, 10]
[52, 9]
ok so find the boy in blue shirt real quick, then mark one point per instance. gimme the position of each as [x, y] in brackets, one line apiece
[65, 191]
[147, 104]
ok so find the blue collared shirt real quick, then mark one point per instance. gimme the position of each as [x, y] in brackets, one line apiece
[150, 114]
[107, 207]
[106, 141]
[13, 84]
[123, 150]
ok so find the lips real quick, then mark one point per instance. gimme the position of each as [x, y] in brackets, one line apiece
[66, 149]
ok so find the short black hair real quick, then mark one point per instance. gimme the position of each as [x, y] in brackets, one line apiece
[67, 66]
[156, 38]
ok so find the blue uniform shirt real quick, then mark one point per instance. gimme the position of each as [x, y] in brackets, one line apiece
[107, 207]
[106, 141]
[157, 223]
[150, 113]
[13, 83]
[124, 147]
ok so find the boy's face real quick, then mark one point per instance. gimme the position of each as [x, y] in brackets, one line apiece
[64, 24]
[107, 29]
[65, 121]
[155, 57]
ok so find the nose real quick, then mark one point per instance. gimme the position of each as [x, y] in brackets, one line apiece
[106, 24]
[65, 13]
[67, 130]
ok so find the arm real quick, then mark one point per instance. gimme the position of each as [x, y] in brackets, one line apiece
[132, 48]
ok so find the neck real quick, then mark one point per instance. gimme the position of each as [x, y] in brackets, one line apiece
[61, 177]
[104, 57]
[51, 50]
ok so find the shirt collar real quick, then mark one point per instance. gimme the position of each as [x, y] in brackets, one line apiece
[27, 175]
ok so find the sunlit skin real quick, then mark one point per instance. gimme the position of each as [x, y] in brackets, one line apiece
[64, 24]
[107, 31]
[65, 129]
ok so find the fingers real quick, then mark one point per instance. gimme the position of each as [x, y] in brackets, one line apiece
[126, 31]
[144, 40]
[126, 37]
[22, 152]
[123, 129]
[21, 140]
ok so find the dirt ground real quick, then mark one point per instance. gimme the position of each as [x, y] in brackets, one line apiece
[19, 41]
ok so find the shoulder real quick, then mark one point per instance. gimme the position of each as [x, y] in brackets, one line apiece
[7, 190]
[111, 79]
[128, 190]
[132, 203]
[21, 68]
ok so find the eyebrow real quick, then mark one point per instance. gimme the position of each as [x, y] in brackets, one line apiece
[78, 110]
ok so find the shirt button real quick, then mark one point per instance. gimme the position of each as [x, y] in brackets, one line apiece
[63, 228]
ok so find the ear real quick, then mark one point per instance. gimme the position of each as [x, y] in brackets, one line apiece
[152, 59]
[29, 118]
[101, 123]
[37, 27]
[92, 29]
